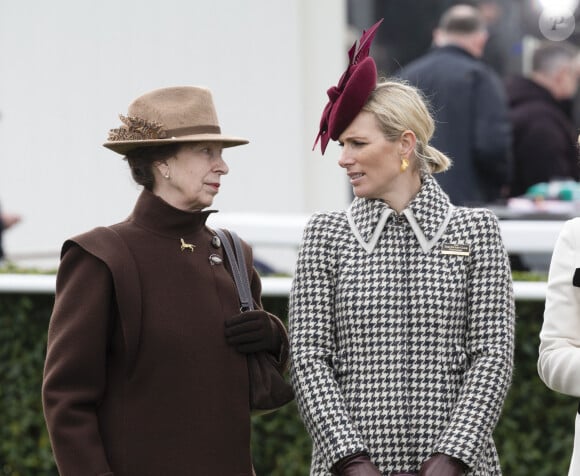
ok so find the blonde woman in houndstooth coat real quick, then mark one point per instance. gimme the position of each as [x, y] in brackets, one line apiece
[402, 309]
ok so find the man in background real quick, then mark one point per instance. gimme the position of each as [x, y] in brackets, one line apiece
[470, 108]
[544, 145]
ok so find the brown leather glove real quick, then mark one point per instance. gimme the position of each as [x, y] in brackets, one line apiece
[443, 465]
[252, 331]
[358, 464]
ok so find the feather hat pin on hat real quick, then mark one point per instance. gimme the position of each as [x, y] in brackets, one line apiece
[347, 98]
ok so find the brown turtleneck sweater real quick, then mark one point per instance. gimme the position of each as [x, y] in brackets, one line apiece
[161, 396]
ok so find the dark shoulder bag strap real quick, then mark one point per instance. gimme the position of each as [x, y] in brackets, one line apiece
[238, 267]
[242, 266]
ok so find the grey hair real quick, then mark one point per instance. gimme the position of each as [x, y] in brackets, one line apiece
[549, 57]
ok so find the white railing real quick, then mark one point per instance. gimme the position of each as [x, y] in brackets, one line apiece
[271, 287]
[285, 231]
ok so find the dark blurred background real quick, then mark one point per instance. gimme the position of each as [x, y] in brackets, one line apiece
[408, 25]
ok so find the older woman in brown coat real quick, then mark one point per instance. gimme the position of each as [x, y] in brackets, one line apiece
[146, 370]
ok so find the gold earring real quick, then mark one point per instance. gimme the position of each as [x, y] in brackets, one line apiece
[404, 164]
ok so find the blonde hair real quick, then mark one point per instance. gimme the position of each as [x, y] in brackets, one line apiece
[399, 107]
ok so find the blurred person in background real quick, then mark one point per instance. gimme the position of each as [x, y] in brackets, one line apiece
[146, 369]
[469, 106]
[401, 308]
[544, 134]
[495, 53]
[559, 353]
[7, 220]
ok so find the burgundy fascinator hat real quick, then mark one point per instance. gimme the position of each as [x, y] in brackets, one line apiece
[347, 98]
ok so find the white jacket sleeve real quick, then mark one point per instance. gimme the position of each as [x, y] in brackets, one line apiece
[559, 360]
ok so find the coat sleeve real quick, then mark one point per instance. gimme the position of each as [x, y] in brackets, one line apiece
[492, 136]
[489, 345]
[312, 345]
[75, 367]
[559, 360]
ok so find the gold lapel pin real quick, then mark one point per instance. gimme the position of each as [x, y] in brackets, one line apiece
[186, 246]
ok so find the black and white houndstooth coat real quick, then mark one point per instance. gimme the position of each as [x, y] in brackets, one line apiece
[402, 333]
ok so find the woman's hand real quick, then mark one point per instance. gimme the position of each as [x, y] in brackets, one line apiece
[252, 331]
[443, 465]
[358, 464]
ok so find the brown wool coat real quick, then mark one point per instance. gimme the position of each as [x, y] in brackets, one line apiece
[155, 392]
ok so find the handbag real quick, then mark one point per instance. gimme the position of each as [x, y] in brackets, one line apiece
[268, 388]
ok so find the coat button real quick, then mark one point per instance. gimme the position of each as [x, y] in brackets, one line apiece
[216, 242]
[215, 259]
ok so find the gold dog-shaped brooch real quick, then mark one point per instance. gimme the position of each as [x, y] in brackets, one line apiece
[186, 246]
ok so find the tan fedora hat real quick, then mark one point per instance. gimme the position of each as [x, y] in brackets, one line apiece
[169, 115]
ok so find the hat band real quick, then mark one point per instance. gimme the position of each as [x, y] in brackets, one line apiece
[187, 131]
